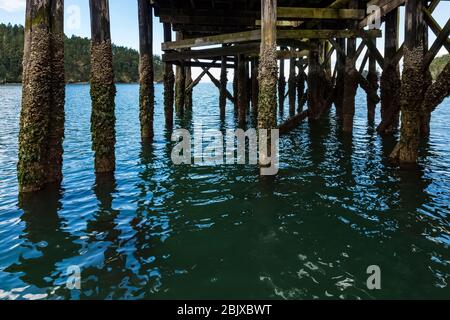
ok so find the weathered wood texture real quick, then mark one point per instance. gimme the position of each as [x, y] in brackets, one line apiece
[103, 90]
[390, 79]
[169, 81]
[42, 114]
[268, 66]
[146, 70]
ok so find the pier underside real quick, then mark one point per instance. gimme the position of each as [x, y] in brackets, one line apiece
[330, 49]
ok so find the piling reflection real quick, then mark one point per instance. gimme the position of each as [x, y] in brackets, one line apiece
[45, 244]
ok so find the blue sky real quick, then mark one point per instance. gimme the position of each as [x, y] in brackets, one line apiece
[124, 22]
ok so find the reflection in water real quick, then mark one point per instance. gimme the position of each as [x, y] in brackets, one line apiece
[46, 244]
[104, 280]
[156, 230]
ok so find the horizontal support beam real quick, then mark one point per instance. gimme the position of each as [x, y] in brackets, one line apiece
[288, 54]
[326, 34]
[319, 13]
[215, 20]
[255, 35]
[211, 53]
[201, 64]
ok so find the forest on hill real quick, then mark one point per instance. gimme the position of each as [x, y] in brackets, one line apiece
[77, 58]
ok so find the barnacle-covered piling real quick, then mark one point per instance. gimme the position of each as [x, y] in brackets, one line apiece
[103, 90]
[42, 115]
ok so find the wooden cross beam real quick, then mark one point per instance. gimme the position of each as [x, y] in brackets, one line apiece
[384, 9]
[202, 64]
[328, 57]
[364, 62]
[437, 45]
[398, 55]
[255, 35]
[374, 51]
[198, 79]
[434, 26]
[217, 83]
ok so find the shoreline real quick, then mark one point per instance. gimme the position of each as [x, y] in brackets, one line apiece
[68, 83]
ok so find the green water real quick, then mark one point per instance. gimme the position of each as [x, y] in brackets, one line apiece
[155, 230]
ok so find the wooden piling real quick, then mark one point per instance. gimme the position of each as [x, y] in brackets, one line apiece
[281, 86]
[189, 89]
[242, 91]
[268, 66]
[301, 96]
[315, 98]
[351, 82]
[235, 85]
[43, 91]
[372, 79]
[255, 87]
[223, 88]
[412, 89]
[103, 90]
[57, 114]
[390, 79]
[428, 79]
[340, 79]
[169, 81]
[146, 70]
[180, 83]
[292, 85]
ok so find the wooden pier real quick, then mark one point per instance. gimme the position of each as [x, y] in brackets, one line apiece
[256, 39]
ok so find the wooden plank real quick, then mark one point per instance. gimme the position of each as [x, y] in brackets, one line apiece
[326, 34]
[255, 35]
[237, 37]
[211, 53]
[319, 13]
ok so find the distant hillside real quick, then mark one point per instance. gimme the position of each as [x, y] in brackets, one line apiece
[77, 58]
[438, 65]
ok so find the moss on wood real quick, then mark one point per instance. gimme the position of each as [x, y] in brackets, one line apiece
[57, 114]
[390, 84]
[350, 88]
[146, 96]
[103, 120]
[35, 114]
[223, 88]
[300, 91]
[292, 85]
[169, 81]
[268, 72]
[180, 85]
[411, 98]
